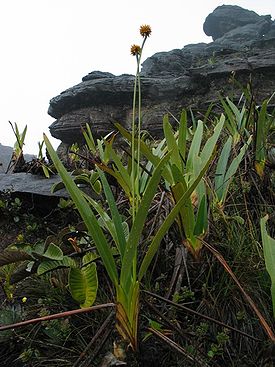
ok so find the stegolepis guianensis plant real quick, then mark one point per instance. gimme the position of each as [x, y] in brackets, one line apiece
[126, 273]
[17, 155]
[182, 170]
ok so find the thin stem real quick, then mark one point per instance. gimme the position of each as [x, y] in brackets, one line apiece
[184, 308]
[133, 175]
[56, 316]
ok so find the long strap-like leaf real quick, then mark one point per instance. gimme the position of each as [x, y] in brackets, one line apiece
[116, 218]
[167, 224]
[138, 225]
[87, 215]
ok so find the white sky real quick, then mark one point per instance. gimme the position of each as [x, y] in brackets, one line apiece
[47, 46]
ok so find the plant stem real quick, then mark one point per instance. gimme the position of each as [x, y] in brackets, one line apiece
[56, 316]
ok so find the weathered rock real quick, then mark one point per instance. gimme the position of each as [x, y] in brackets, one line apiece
[225, 18]
[97, 75]
[190, 77]
[246, 36]
[31, 184]
[111, 101]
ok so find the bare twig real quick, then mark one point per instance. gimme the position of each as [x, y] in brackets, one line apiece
[94, 338]
[262, 320]
[56, 316]
[201, 315]
[177, 347]
[167, 320]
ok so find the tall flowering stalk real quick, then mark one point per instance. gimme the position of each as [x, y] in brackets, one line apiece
[136, 50]
[124, 271]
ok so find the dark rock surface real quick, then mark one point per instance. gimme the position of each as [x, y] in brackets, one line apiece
[191, 77]
[225, 18]
[31, 184]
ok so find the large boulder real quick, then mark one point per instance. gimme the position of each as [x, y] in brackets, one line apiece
[191, 77]
[225, 18]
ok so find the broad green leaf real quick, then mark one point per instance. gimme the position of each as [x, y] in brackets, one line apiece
[49, 265]
[53, 252]
[87, 215]
[89, 257]
[269, 256]
[83, 284]
[37, 250]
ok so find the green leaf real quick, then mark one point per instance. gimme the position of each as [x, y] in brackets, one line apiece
[221, 168]
[89, 257]
[53, 252]
[163, 229]
[88, 136]
[195, 147]
[57, 186]
[87, 215]
[187, 218]
[83, 284]
[182, 135]
[121, 170]
[116, 218]
[202, 218]
[50, 265]
[171, 142]
[104, 219]
[209, 146]
[261, 136]
[269, 256]
[138, 225]
[232, 169]
[145, 150]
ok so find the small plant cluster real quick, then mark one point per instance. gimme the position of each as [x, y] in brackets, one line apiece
[192, 171]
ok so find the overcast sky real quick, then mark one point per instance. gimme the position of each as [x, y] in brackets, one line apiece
[47, 46]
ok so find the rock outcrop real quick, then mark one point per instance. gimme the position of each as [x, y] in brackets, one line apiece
[192, 77]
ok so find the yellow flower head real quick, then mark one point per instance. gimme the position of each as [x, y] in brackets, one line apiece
[145, 30]
[135, 50]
